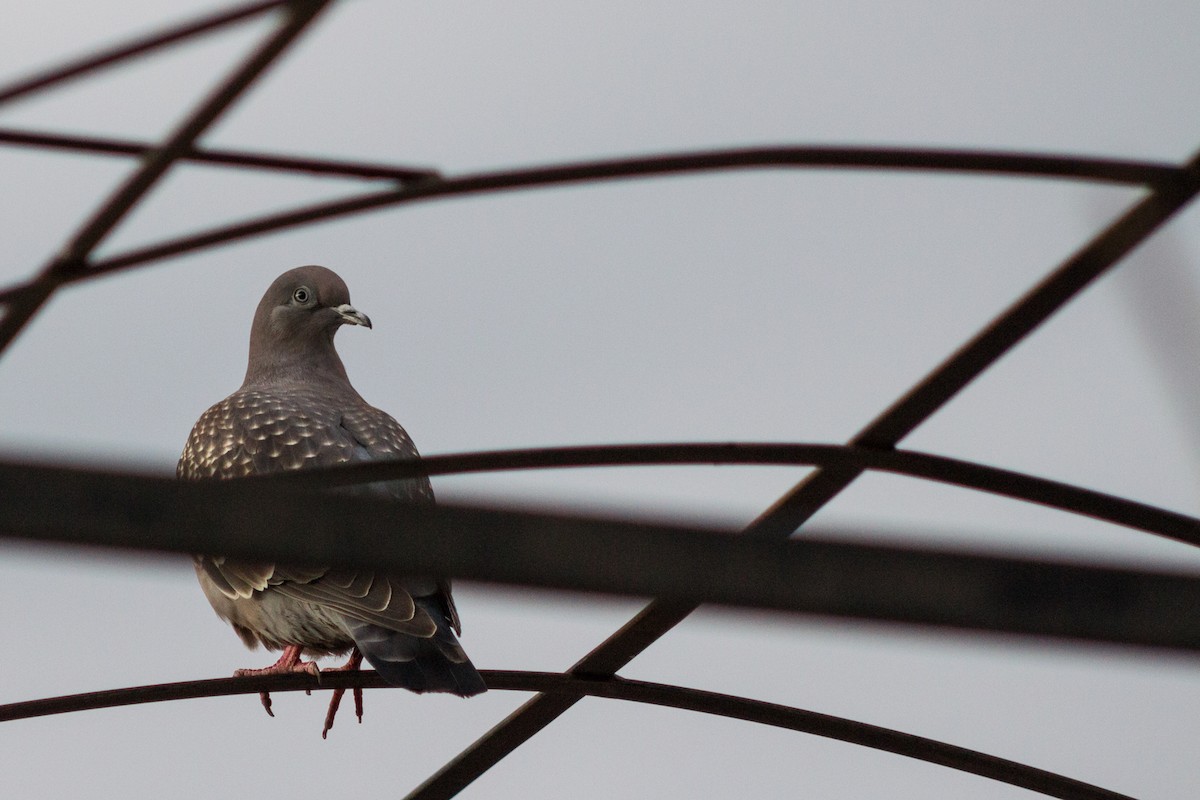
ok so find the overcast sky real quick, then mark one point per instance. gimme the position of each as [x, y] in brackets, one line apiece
[762, 306]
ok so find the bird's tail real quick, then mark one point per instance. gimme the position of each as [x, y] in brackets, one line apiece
[435, 664]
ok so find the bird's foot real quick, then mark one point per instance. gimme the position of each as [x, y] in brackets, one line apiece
[352, 664]
[288, 663]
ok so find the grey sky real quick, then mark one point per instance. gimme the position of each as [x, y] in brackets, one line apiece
[767, 306]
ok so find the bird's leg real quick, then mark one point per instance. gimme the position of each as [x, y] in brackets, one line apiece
[288, 662]
[352, 664]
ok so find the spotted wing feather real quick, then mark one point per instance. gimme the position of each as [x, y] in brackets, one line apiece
[253, 433]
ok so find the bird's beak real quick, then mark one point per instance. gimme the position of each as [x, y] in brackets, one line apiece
[352, 315]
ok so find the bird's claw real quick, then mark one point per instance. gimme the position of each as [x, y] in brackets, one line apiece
[288, 663]
[265, 697]
[351, 665]
[335, 703]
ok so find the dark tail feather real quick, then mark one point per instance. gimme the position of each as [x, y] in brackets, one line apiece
[436, 664]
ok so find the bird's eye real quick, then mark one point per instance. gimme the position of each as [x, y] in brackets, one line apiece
[301, 295]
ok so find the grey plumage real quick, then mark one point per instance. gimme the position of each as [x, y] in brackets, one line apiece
[296, 409]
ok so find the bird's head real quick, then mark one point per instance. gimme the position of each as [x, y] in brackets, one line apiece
[295, 322]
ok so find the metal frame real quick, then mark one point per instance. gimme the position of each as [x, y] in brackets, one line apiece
[809, 575]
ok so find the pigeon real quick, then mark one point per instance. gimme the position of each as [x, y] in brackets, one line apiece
[297, 410]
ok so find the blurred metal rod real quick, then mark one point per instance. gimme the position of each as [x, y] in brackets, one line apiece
[687, 565]
[731, 707]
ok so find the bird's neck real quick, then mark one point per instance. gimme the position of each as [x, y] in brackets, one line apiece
[312, 362]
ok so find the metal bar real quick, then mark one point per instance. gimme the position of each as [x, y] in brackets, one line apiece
[72, 259]
[226, 158]
[685, 565]
[540, 177]
[723, 705]
[797, 506]
[136, 47]
[951, 471]
[1102, 170]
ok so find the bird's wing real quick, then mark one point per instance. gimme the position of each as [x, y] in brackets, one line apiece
[378, 437]
[258, 433]
[254, 433]
[236, 579]
[365, 595]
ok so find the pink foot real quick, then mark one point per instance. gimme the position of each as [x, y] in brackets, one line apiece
[288, 663]
[351, 665]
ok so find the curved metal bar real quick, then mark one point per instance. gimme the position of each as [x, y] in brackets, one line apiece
[665, 695]
[1007, 164]
[1100, 170]
[951, 471]
[136, 47]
